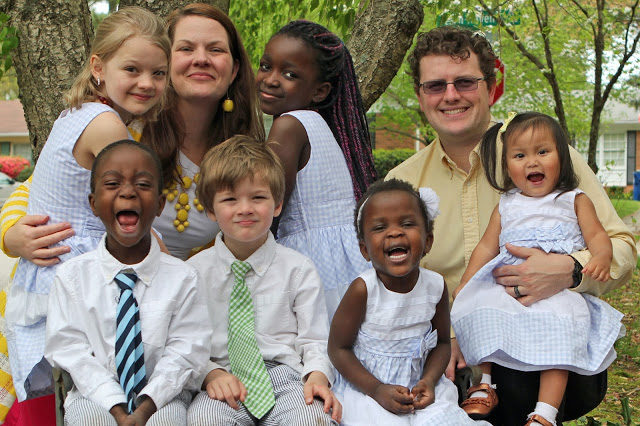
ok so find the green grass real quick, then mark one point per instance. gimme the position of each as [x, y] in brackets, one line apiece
[621, 405]
[625, 207]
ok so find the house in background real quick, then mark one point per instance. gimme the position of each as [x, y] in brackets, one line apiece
[14, 136]
[618, 150]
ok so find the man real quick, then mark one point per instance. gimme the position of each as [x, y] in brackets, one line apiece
[458, 67]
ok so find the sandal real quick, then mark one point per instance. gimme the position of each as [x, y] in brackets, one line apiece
[539, 419]
[478, 408]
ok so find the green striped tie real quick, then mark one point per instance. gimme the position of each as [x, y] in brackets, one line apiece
[244, 355]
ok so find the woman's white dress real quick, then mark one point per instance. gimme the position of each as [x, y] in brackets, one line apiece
[393, 343]
[570, 330]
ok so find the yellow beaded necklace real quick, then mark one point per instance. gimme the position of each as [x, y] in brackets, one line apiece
[182, 206]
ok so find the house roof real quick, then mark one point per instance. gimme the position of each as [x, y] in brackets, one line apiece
[12, 122]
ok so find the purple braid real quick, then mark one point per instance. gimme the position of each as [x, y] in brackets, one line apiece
[342, 109]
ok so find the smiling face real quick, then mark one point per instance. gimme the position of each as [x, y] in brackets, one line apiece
[245, 214]
[287, 78]
[395, 238]
[127, 199]
[457, 117]
[202, 66]
[134, 77]
[533, 163]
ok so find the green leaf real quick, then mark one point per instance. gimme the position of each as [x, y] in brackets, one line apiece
[3, 33]
[3, 18]
[8, 62]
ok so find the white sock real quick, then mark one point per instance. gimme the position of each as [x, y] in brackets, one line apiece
[549, 412]
[486, 378]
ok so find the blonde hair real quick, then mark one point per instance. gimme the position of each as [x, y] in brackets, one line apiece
[235, 159]
[112, 32]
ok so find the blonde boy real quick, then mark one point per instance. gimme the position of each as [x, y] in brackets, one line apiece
[275, 370]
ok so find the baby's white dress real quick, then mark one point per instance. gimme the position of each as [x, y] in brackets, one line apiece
[393, 343]
[570, 330]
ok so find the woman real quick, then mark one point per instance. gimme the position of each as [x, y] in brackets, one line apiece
[209, 66]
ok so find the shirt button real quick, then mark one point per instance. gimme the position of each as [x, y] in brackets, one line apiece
[470, 220]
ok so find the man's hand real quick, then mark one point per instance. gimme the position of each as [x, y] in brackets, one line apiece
[540, 276]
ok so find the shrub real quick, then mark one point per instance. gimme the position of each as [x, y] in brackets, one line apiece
[11, 166]
[24, 174]
[387, 159]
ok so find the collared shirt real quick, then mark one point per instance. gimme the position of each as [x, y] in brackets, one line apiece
[467, 201]
[81, 325]
[288, 300]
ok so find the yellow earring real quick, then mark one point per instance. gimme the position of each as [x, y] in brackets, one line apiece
[227, 105]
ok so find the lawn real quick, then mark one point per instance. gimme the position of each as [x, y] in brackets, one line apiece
[621, 405]
[625, 207]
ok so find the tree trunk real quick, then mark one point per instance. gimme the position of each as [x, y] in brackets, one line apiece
[165, 7]
[382, 34]
[48, 57]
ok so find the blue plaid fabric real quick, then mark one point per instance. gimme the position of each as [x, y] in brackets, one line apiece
[318, 218]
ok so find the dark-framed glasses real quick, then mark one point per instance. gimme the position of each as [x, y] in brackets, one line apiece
[462, 84]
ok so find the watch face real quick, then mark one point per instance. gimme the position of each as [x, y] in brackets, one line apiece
[577, 273]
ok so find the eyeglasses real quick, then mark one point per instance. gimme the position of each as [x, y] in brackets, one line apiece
[462, 84]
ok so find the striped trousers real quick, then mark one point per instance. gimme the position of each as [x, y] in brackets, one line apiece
[84, 412]
[290, 409]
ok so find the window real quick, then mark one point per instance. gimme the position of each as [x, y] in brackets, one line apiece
[612, 160]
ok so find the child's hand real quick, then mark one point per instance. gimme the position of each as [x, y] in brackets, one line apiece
[317, 385]
[457, 291]
[224, 386]
[598, 269]
[424, 395]
[394, 398]
[119, 413]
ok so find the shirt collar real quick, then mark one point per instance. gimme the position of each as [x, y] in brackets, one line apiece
[145, 270]
[260, 260]
[474, 156]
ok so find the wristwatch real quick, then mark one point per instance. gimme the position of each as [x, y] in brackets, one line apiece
[577, 273]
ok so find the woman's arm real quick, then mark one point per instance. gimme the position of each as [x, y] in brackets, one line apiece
[29, 236]
[438, 358]
[290, 142]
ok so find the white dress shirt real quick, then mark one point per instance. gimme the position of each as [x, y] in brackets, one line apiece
[81, 325]
[288, 299]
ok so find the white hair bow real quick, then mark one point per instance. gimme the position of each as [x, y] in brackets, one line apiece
[431, 200]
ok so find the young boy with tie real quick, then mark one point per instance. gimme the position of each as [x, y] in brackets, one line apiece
[267, 302]
[128, 322]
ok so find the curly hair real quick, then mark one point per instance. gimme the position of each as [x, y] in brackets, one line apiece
[386, 186]
[456, 42]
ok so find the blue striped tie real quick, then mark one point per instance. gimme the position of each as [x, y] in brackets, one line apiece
[129, 350]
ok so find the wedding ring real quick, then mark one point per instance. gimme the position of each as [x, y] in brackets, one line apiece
[517, 292]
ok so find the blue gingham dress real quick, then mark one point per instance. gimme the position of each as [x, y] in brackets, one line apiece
[318, 219]
[392, 344]
[60, 189]
[570, 330]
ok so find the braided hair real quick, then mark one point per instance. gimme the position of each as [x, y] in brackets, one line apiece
[342, 109]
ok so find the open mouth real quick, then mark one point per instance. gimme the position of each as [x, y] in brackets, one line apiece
[535, 177]
[128, 220]
[397, 253]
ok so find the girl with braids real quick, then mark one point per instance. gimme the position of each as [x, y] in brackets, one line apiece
[306, 80]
